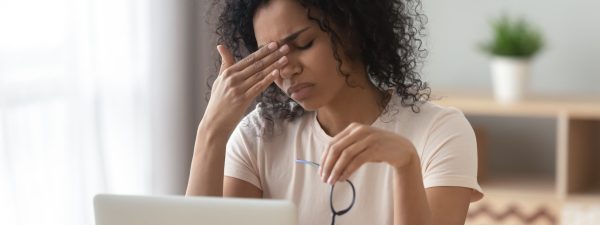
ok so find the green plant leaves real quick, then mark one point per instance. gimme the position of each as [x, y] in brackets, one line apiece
[513, 38]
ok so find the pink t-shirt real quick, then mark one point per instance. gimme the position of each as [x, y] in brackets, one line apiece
[444, 140]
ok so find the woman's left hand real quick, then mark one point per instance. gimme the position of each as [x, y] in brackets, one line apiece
[359, 144]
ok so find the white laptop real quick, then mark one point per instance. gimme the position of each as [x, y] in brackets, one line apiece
[180, 210]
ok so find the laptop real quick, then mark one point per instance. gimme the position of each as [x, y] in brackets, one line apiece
[180, 210]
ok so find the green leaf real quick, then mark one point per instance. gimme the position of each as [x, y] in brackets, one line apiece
[513, 38]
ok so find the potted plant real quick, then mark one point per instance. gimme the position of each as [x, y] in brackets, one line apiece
[513, 45]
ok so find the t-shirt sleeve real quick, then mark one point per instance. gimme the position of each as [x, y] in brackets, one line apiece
[450, 153]
[240, 156]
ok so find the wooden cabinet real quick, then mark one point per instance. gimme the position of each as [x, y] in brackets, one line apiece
[523, 197]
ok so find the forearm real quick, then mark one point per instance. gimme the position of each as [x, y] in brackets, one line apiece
[410, 200]
[208, 161]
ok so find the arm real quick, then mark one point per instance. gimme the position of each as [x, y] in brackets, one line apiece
[410, 199]
[206, 172]
[413, 204]
[449, 205]
[237, 84]
[234, 187]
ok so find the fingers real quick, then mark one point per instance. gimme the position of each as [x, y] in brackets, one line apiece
[338, 146]
[259, 87]
[227, 59]
[254, 57]
[351, 167]
[259, 65]
[257, 81]
[261, 75]
[335, 139]
[348, 161]
[254, 69]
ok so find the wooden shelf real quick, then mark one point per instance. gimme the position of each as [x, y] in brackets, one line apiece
[577, 164]
[515, 185]
[482, 104]
[592, 197]
[579, 156]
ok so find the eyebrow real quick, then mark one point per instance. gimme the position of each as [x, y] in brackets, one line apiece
[289, 38]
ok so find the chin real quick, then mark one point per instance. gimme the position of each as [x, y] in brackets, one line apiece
[310, 104]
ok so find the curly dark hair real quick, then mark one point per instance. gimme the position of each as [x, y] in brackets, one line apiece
[385, 35]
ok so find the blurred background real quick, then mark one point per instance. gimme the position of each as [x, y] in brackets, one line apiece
[104, 96]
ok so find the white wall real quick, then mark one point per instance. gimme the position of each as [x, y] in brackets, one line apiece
[570, 64]
[172, 34]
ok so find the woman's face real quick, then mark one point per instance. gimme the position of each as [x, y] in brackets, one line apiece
[311, 69]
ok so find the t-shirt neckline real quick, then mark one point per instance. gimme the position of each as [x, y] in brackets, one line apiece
[321, 134]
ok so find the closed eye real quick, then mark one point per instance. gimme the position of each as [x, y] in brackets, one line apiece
[307, 46]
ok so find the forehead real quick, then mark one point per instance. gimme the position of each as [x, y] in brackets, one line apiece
[278, 19]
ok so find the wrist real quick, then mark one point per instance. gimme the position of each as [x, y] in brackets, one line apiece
[215, 127]
[209, 134]
[409, 159]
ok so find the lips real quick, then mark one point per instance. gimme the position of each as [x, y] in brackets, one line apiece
[297, 87]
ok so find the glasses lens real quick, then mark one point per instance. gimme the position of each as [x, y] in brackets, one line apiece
[342, 197]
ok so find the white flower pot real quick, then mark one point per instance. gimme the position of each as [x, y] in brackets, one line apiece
[509, 77]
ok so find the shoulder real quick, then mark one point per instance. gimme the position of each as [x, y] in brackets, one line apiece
[424, 117]
[439, 115]
[429, 127]
[257, 127]
[443, 122]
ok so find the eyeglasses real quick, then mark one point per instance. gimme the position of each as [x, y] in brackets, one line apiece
[333, 211]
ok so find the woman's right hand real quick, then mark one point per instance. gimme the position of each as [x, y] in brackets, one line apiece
[238, 84]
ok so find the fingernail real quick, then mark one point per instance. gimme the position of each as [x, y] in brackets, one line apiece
[283, 60]
[272, 45]
[330, 180]
[284, 49]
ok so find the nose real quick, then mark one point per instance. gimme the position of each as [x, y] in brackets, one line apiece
[292, 68]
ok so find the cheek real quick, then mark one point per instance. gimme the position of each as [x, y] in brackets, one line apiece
[322, 59]
[279, 82]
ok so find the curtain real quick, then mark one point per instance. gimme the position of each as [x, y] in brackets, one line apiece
[94, 98]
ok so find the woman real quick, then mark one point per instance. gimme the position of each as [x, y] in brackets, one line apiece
[336, 84]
